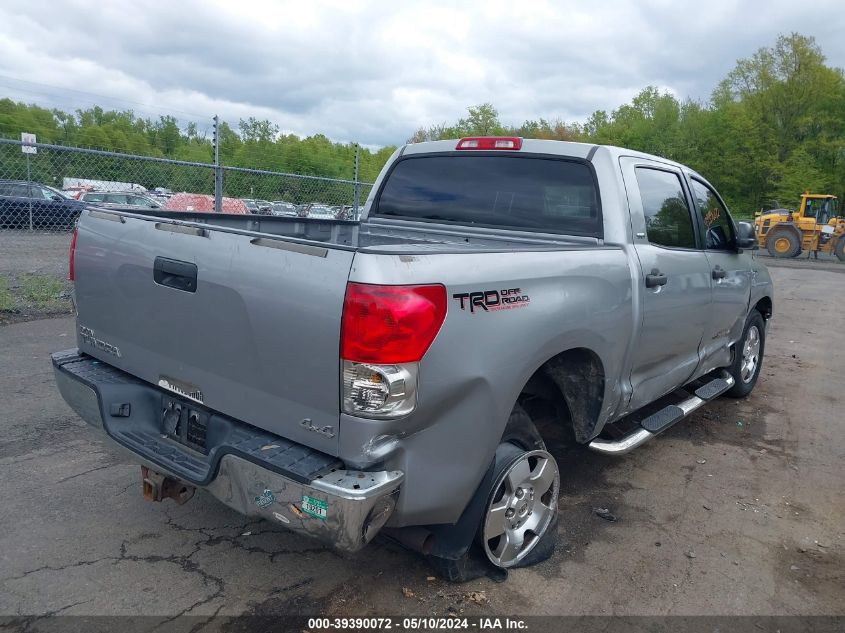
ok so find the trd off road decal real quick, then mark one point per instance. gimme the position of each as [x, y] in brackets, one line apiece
[490, 300]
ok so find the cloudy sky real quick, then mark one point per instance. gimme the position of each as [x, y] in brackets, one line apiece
[373, 72]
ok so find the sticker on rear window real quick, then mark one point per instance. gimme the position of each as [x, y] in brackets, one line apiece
[314, 507]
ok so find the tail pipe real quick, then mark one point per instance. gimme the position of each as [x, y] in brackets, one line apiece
[416, 539]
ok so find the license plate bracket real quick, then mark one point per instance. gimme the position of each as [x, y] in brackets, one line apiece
[184, 422]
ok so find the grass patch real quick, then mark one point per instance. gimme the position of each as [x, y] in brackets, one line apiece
[30, 296]
[40, 290]
[6, 301]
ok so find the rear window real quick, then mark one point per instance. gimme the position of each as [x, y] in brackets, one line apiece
[512, 192]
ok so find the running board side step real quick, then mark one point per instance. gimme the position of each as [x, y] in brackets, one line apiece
[664, 419]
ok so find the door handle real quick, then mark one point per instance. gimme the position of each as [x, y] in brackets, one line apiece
[719, 273]
[175, 274]
[655, 278]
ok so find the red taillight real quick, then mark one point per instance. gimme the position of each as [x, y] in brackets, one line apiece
[490, 142]
[387, 325]
[71, 255]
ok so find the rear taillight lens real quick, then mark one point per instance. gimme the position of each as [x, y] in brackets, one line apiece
[385, 331]
[71, 255]
[390, 324]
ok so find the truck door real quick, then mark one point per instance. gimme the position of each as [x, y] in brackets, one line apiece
[730, 276]
[674, 284]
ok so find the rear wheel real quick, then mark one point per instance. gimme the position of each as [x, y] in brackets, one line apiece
[783, 243]
[522, 506]
[839, 249]
[497, 546]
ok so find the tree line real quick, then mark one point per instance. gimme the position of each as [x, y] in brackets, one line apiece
[254, 143]
[771, 129]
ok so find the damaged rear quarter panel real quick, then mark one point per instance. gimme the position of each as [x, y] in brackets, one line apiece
[580, 297]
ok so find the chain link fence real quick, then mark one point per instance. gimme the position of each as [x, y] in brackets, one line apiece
[44, 187]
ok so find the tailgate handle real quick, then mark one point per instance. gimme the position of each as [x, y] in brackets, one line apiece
[175, 274]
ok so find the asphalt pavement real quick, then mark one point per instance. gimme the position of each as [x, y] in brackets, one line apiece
[738, 510]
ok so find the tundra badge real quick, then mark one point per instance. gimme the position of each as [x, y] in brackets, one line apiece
[86, 334]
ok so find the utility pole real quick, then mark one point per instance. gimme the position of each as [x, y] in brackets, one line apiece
[218, 171]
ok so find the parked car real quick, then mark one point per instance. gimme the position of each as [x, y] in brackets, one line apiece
[251, 205]
[319, 211]
[119, 199]
[282, 208]
[202, 203]
[75, 192]
[258, 207]
[411, 372]
[26, 204]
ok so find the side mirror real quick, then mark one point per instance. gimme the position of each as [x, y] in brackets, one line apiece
[745, 237]
[56, 197]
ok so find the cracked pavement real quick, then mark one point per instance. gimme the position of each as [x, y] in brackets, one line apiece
[738, 510]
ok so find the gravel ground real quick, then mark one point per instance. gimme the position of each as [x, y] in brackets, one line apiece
[38, 252]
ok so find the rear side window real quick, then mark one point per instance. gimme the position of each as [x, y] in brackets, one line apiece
[14, 189]
[667, 215]
[523, 193]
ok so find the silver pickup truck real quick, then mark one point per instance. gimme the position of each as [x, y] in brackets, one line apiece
[399, 374]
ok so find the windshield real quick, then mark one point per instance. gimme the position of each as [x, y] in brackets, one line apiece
[513, 192]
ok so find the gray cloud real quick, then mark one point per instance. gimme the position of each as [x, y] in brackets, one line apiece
[375, 71]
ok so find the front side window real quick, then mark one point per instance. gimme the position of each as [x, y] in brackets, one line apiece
[511, 192]
[667, 215]
[718, 226]
[93, 197]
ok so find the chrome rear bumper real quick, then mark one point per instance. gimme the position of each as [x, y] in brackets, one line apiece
[342, 508]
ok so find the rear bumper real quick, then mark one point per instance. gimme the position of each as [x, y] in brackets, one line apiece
[251, 471]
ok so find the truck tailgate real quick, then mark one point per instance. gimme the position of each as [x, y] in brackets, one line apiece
[255, 336]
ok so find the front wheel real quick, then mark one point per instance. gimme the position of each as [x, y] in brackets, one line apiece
[519, 523]
[748, 356]
[783, 243]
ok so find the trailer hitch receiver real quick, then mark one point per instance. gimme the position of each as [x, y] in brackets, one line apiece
[158, 487]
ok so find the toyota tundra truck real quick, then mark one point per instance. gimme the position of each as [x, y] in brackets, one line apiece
[401, 374]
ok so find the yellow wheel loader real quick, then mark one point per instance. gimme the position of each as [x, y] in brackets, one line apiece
[816, 227]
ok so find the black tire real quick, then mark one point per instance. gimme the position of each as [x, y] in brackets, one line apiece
[520, 430]
[839, 249]
[776, 237]
[508, 454]
[520, 436]
[743, 381]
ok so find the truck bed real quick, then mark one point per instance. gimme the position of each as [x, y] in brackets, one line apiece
[374, 235]
[240, 313]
